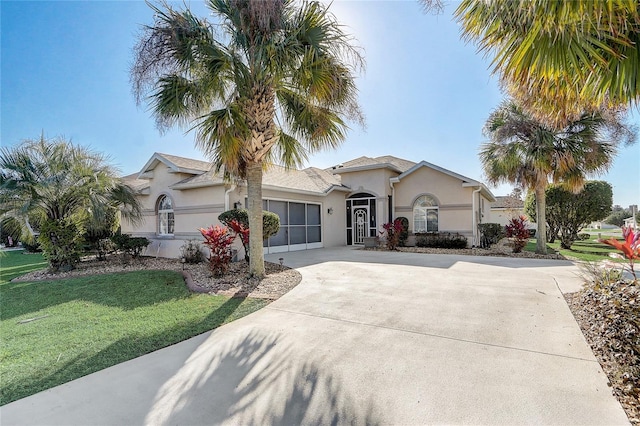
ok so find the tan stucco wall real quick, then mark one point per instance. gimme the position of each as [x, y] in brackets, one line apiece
[374, 181]
[193, 209]
[199, 208]
[333, 225]
[454, 201]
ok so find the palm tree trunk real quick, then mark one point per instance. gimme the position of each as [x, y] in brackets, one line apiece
[254, 195]
[541, 207]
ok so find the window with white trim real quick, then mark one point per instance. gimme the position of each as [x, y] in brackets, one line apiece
[165, 216]
[425, 214]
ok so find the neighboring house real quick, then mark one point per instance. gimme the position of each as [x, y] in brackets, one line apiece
[318, 208]
[602, 225]
[504, 209]
[630, 222]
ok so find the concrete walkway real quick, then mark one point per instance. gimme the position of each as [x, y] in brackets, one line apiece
[366, 338]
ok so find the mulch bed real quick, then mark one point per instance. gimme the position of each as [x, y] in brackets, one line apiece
[609, 316]
[236, 282]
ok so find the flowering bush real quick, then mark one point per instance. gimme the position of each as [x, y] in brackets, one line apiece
[219, 240]
[630, 247]
[393, 231]
[517, 230]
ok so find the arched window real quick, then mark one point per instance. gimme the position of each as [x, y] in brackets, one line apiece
[425, 214]
[165, 216]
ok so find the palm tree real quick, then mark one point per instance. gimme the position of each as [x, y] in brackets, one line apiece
[560, 58]
[272, 81]
[59, 183]
[523, 151]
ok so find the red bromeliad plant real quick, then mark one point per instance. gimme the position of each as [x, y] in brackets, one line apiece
[219, 240]
[630, 247]
[242, 232]
[393, 231]
[517, 230]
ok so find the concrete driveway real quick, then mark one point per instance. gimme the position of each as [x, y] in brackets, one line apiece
[366, 338]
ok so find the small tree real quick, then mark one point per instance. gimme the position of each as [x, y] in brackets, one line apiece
[517, 230]
[61, 186]
[567, 212]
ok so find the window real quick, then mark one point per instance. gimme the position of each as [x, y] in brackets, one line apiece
[165, 216]
[425, 214]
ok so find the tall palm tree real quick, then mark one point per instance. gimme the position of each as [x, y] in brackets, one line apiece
[55, 181]
[523, 151]
[271, 81]
[560, 58]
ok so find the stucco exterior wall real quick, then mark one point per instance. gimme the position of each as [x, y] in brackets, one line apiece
[454, 201]
[374, 181]
[333, 225]
[193, 209]
[501, 216]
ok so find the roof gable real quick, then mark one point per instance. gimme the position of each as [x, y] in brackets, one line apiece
[466, 182]
[396, 164]
[176, 164]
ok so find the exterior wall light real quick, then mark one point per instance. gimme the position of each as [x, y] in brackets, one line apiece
[330, 210]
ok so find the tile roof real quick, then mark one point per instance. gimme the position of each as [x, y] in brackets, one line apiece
[401, 164]
[308, 180]
[187, 163]
[210, 177]
[135, 183]
[506, 201]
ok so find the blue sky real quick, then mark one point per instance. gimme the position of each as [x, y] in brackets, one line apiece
[425, 93]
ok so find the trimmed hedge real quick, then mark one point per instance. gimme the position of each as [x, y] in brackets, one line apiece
[130, 245]
[404, 234]
[441, 240]
[491, 233]
[270, 220]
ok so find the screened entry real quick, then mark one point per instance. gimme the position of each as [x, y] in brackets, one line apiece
[361, 218]
[300, 226]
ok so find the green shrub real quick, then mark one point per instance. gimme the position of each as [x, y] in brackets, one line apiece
[130, 245]
[97, 235]
[60, 240]
[441, 240]
[104, 247]
[270, 220]
[33, 246]
[191, 252]
[404, 233]
[490, 233]
[584, 236]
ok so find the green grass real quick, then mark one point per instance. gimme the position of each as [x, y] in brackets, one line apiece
[586, 250]
[91, 323]
[15, 263]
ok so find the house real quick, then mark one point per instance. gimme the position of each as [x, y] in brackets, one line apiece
[630, 222]
[317, 207]
[505, 208]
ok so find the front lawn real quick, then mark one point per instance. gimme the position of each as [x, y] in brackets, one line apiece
[590, 250]
[56, 331]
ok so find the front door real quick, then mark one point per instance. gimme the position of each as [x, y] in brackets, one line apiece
[360, 224]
